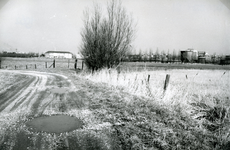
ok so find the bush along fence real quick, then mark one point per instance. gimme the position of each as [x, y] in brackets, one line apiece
[38, 64]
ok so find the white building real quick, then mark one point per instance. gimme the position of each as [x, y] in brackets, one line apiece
[58, 54]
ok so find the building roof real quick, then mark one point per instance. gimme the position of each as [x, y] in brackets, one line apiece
[58, 52]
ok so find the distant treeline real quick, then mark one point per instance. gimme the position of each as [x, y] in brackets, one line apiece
[23, 55]
[222, 60]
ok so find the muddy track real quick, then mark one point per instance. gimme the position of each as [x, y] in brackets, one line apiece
[31, 90]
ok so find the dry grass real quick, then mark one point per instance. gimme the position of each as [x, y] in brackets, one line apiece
[192, 114]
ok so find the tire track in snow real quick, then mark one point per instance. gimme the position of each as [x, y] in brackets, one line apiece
[33, 94]
[26, 91]
[22, 99]
[14, 93]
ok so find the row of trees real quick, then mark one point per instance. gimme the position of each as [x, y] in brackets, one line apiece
[155, 56]
[174, 56]
[14, 54]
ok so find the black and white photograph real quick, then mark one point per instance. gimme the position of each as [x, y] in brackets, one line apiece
[114, 74]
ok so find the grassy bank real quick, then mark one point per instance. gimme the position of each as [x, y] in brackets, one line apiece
[192, 114]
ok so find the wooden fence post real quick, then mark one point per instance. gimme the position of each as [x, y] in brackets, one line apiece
[54, 64]
[26, 66]
[166, 82]
[46, 64]
[118, 69]
[15, 67]
[82, 64]
[75, 65]
[148, 78]
[35, 66]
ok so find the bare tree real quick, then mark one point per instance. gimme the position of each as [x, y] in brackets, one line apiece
[106, 38]
[162, 56]
[140, 55]
[174, 55]
[150, 55]
[156, 57]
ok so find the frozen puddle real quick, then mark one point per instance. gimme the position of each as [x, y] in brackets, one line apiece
[55, 124]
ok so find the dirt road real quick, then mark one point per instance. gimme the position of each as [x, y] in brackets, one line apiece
[31, 90]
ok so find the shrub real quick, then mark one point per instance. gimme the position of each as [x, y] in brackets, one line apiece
[106, 39]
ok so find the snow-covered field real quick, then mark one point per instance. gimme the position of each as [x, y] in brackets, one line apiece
[119, 110]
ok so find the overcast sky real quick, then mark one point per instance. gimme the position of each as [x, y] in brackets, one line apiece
[43, 25]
